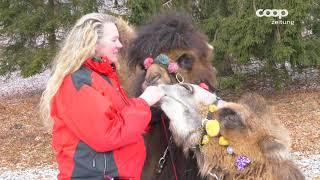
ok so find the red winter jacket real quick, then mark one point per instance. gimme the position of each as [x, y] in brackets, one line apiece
[97, 131]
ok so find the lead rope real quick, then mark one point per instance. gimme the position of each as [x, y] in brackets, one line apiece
[168, 142]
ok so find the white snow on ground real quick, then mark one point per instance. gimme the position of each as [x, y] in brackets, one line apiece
[309, 164]
[16, 85]
[35, 173]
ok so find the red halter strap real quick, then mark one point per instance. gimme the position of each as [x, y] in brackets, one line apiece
[168, 141]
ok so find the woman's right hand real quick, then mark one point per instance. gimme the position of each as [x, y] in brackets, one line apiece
[152, 94]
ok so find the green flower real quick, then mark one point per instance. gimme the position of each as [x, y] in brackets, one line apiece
[162, 59]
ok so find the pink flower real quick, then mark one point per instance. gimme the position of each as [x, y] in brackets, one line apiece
[148, 62]
[173, 67]
[204, 86]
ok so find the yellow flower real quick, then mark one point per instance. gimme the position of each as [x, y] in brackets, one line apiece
[223, 141]
[213, 108]
[205, 140]
[212, 128]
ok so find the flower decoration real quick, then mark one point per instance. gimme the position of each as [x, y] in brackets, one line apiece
[148, 62]
[230, 150]
[242, 162]
[162, 59]
[223, 141]
[173, 67]
[212, 128]
[204, 86]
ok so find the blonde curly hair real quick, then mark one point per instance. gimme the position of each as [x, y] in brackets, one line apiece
[78, 46]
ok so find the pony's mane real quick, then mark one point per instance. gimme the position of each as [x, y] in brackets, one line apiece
[170, 31]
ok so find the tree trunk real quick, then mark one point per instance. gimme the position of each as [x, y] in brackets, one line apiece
[225, 68]
[51, 31]
[115, 3]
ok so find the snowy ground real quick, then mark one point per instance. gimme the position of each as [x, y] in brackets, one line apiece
[43, 173]
[16, 85]
[309, 165]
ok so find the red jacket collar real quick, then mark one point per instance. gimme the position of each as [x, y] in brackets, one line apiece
[101, 65]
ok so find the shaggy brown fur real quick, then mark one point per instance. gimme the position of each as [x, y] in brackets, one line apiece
[165, 33]
[252, 130]
[250, 126]
[130, 78]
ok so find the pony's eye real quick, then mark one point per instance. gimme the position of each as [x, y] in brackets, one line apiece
[188, 87]
[141, 67]
[186, 61]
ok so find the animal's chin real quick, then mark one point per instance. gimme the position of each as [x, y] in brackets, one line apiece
[186, 141]
[193, 140]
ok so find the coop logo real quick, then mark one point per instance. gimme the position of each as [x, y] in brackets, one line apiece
[279, 13]
[272, 13]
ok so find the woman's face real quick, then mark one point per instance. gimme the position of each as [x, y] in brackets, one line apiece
[109, 44]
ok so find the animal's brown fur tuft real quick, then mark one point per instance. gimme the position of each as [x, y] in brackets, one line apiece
[128, 77]
[262, 138]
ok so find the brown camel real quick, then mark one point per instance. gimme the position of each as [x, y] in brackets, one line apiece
[174, 36]
[249, 141]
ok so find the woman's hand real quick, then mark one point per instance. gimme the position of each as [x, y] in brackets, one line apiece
[152, 94]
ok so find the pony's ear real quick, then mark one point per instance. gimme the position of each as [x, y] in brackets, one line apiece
[273, 148]
[230, 119]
